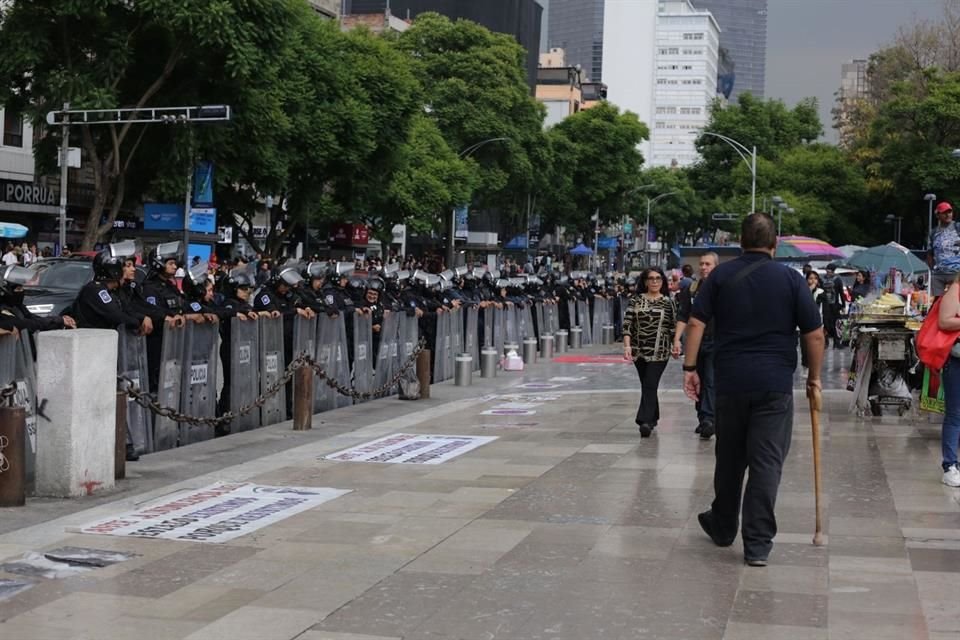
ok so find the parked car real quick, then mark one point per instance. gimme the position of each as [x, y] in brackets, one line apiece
[56, 283]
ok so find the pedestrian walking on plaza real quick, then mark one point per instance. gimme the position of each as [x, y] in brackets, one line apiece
[706, 418]
[949, 320]
[648, 327]
[832, 303]
[756, 305]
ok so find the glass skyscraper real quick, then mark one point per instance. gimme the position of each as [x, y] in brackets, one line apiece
[576, 26]
[743, 34]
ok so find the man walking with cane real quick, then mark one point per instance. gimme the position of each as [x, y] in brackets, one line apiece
[756, 306]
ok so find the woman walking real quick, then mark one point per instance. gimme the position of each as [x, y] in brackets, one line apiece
[647, 339]
[949, 320]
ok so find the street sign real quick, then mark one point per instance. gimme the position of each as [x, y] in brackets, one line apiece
[719, 217]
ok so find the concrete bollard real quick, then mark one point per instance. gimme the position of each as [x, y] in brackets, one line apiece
[77, 375]
[546, 347]
[120, 444]
[13, 457]
[423, 373]
[510, 346]
[530, 351]
[576, 338]
[489, 361]
[303, 399]
[561, 341]
[463, 370]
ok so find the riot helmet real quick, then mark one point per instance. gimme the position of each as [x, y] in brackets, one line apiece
[14, 277]
[163, 253]
[288, 275]
[107, 266]
[195, 281]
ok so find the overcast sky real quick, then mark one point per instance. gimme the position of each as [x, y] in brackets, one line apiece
[808, 40]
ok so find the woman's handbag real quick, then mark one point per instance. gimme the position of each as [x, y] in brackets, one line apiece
[933, 343]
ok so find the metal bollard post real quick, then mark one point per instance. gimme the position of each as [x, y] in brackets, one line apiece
[463, 370]
[13, 461]
[423, 373]
[530, 351]
[606, 334]
[576, 338]
[562, 341]
[120, 448]
[489, 361]
[546, 347]
[510, 346]
[303, 399]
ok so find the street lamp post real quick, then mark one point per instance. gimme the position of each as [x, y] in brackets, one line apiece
[451, 236]
[930, 198]
[897, 221]
[646, 229]
[744, 153]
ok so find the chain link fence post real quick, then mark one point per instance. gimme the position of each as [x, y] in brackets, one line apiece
[303, 399]
[120, 447]
[13, 456]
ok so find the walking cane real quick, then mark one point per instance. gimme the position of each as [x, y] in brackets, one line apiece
[816, 402]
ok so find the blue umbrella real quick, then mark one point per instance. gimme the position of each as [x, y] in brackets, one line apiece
[581, 250]
[12, 230]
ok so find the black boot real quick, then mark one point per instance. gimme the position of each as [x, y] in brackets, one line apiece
[132, 455]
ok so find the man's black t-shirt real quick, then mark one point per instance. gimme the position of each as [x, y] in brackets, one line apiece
[755, 323]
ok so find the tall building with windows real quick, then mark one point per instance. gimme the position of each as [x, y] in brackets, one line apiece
[744, 36]
[576, 26]
[854, 89]
[661, 63]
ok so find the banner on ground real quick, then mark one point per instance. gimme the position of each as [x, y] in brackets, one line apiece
[408, 448]
[217, 513]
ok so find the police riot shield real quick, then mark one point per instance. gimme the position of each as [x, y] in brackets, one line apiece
[132, 365]
[166, 431]
[511, 328]
[8, 355]
[388, 352]
[244, 372]
[540, 315]
[441, 350]
[599, 315]
[25, 377]
[624, 304]
[583, 318]
[553, 317]
[571, 314]
[499, 329]
[199, 390]
[471, 336]
[526, 322]
[409, 337]
[341, 362]
[272, 366]
[456, 334]
[486, 317]
[324, 397]
[362, 353]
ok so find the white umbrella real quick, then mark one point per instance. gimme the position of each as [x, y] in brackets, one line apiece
[849, 249]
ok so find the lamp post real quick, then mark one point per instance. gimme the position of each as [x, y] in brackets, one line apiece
[930, 198]
[744, 153]
[646, 229]
[623, 227]
[897, 221]
[451, 236]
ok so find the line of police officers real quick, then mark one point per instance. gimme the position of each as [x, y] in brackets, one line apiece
[116, 299]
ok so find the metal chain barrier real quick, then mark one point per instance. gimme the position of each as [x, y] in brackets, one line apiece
[147, 401]
[4, 463]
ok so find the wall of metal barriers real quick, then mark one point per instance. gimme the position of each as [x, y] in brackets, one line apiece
[252, 373]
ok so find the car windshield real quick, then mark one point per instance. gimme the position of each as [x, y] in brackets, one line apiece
[63, 274]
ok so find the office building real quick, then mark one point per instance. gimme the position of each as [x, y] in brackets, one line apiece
[661, 63]
[576, 26]
[519, 18]
[743, 25]
[854, 89]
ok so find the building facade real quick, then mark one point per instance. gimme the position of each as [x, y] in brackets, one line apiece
[854, 89]
[326, 8]
[743, 25]
[519, 18]
[576, 26]
[661, 63]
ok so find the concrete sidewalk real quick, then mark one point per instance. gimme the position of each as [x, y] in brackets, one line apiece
[567, 525]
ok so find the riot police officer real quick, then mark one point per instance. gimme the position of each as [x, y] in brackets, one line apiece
[12, 281]
[99, 304]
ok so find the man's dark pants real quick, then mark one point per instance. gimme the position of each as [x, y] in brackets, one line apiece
[706, 407]
[753, 432]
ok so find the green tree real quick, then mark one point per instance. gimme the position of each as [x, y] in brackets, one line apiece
[673, 216]
[134, 54]
[595, 165]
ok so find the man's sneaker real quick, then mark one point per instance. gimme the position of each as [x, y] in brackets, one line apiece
[707, 430]
[699, 428]
[706, 523]
[951, 477]
[755, 562]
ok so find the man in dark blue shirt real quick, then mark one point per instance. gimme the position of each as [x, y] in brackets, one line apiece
[756, 306]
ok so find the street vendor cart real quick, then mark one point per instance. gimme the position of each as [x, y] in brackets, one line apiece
[884, 357]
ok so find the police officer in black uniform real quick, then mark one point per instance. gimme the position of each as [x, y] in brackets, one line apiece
[163, 302]
[12, 280]
[99, 305]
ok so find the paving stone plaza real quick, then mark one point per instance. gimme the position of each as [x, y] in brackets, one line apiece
[541, 515]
